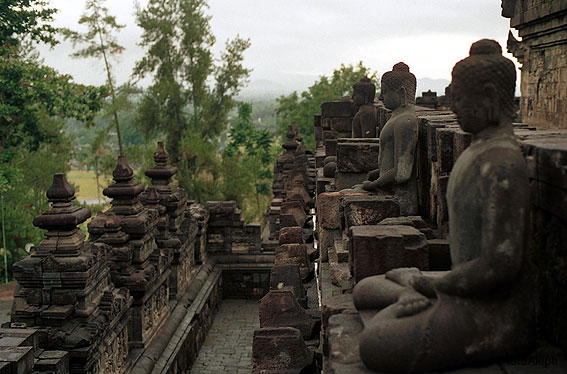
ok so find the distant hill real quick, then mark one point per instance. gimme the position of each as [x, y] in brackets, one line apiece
[261, 88]
[435, 85]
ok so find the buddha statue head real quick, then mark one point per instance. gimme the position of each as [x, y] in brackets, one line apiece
[364, 92]
[398, 87]
[483, 87]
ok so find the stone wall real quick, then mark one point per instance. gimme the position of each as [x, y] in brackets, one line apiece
[140, 295]
[542, 52]
[359, 235]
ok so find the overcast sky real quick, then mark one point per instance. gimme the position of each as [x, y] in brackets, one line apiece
[295, 41]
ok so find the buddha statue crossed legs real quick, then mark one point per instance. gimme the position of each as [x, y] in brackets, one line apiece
[483, 307]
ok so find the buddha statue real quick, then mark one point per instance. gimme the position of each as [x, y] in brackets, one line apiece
[396, 173]
[483, 308]
[364, 121]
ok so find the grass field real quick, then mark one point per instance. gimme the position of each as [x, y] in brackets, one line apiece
[85, 184]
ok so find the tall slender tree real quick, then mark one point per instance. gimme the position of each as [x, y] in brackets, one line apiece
[100, 42]
[192, 92]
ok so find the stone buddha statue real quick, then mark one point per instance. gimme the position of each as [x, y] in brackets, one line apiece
[364, 121]
[483, 308]
[398, 140]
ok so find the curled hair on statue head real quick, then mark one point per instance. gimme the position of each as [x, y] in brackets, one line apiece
[366, 88]
[486, 66]
[400, 77]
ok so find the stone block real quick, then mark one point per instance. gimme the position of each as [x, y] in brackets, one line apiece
[413, 221]
[288, 276]
[294, 254]
[279, 350]
[279, 308]
[291, 235]
[328, 208]
[19, 359]
[330, 147]
[461, 141]
[341, 124]
[338, 109]
[377, 249]
[367, 210]
[340, 274]
[296, 209]
[357, 157]
[287, 220]
[444, 149]
[317, 120]
[19, 338]
[326, 240]
[348, 180]
[52, 361]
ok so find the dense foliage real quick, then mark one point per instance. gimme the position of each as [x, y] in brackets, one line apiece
[34, 101]
[300, 108]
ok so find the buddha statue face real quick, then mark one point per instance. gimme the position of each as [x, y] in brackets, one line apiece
[364, 92]
[392, 98]
[483, 87]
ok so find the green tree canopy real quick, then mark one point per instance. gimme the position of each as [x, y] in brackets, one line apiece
[26, 19]
[192, 93]
[299, 109]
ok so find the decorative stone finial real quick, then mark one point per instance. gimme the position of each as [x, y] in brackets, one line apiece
[60, 190]
[62, 219]
[160, 155]
[122, 172]
[161, 173]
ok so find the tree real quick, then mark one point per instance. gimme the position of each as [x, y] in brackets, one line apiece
[192, 93]
[26, 19]
[247, 161]
[299, 109]
[100, 43]
[34, 101]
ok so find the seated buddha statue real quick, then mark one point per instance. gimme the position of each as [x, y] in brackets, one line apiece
[396, 172]
[483, 308]
[364, 121]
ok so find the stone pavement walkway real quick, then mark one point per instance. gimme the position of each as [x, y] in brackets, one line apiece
[228, 347]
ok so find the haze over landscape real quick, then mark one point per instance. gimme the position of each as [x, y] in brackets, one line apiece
[296, 41]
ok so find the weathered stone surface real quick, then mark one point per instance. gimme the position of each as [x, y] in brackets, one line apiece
[357, 157]
[367, 210]
[279, 350]
[376, 249]
[291, 235]
[326, 240]
[288, 276]
[19, 360]
[330, 147]
[338, 109]
[328, 208]
[341, 124]
[295, 209]
[279, 308]
[413, 221]
[294, 254]
[52, 361]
